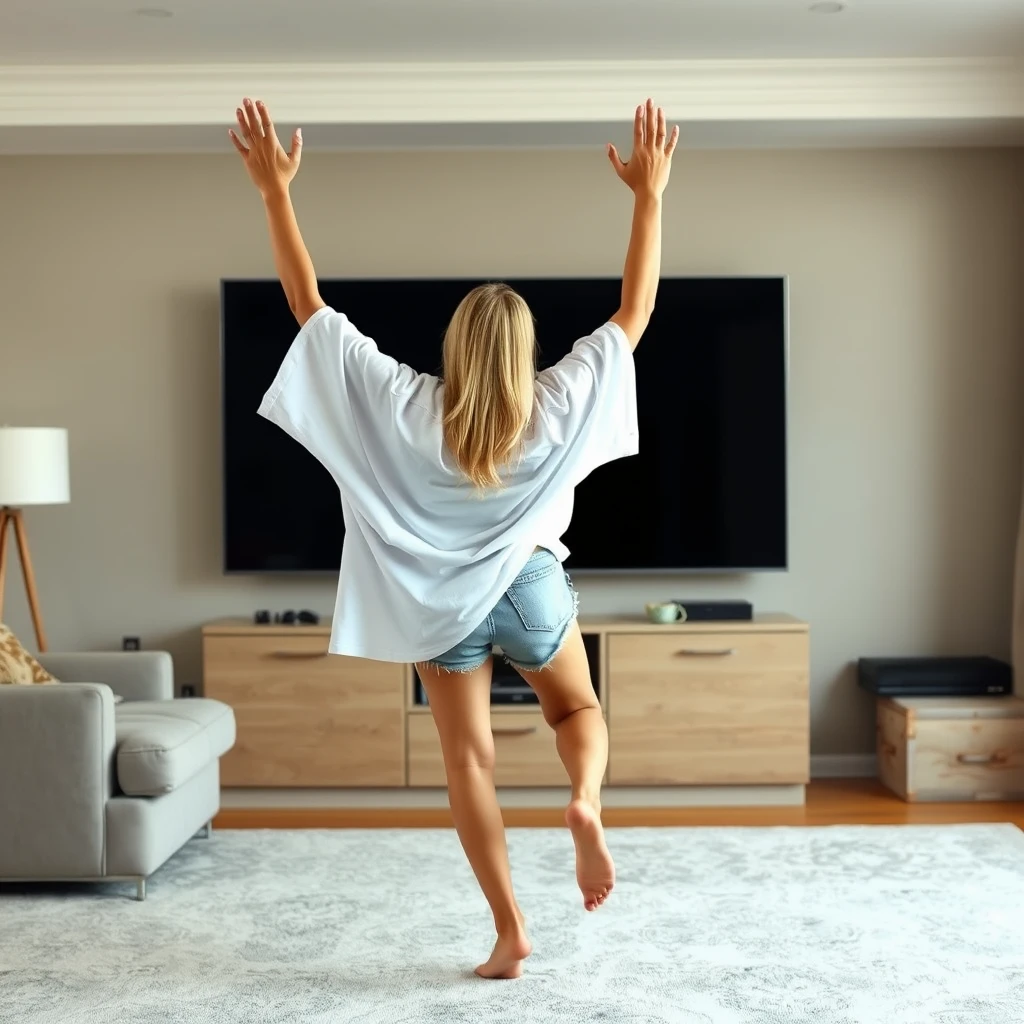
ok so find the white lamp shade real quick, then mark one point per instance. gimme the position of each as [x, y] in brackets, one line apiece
[34, 466]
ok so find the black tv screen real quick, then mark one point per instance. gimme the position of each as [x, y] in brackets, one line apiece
[706, 492]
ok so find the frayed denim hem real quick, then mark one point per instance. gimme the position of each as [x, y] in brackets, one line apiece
[452, 670]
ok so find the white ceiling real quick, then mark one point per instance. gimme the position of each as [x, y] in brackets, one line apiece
[95, 76]
[224, 31]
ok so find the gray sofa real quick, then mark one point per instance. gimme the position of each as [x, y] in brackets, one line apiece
[93, 790]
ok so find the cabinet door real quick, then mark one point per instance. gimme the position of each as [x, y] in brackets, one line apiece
[690, 708]
[306, 718]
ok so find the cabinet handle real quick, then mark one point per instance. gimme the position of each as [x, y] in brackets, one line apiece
[696, 652]
[298, 654]
[514, 730]
[980, 758]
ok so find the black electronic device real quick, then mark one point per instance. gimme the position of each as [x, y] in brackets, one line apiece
[716, 611]
[512, 691]
[287, 618]
[507, 687]
[935, 677]
[708, 484]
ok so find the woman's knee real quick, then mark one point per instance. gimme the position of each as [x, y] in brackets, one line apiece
[469, 751]
[556, 712]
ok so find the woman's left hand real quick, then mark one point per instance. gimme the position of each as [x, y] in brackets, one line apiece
[269, 166]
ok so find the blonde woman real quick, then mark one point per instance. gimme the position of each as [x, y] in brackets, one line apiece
[455, 492]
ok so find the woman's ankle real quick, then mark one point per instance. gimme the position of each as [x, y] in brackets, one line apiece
[510, 923]
[592, 797]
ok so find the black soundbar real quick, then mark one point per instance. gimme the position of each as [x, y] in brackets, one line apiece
[935, 677]
[716, 611]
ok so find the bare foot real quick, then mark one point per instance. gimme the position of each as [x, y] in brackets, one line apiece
[595, 871]
[511, 949]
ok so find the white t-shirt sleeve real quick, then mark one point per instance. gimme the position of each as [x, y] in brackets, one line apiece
[330, 377]
[586, 402]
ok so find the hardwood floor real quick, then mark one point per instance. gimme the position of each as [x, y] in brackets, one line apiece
[829, 802]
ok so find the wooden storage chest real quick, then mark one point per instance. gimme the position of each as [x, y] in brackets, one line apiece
[952, 748]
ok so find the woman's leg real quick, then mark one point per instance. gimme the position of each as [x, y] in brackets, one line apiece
[461, 705]
[572, 709]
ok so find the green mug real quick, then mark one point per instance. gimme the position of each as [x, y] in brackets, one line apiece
[669, 611]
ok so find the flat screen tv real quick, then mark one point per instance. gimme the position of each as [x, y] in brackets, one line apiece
[706, 493]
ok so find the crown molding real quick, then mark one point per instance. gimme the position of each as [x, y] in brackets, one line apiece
[523, 93]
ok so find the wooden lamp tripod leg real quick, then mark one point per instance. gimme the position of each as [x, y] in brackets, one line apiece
[5, 518]
[30, 579]
[13, 516]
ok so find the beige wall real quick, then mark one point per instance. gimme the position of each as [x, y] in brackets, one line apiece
[907, 418]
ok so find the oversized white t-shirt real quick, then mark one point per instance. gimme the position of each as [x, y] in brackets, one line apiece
[426, 556]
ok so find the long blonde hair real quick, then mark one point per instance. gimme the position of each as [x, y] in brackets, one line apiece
[489, 369]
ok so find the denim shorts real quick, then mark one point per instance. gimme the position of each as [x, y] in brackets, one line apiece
[529, 623]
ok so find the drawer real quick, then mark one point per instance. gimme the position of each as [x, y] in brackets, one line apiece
[274, 668]
[306, 718]
[692, 708]
[969, 758]
[706, 655]
[524, 747]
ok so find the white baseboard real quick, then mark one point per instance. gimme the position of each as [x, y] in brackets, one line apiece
[823, 766]
[844, 766]
[611, 796]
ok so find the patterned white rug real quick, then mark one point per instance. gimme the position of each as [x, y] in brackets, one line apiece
[871, 925]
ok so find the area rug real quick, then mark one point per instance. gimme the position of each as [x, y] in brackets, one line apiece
[842, 925]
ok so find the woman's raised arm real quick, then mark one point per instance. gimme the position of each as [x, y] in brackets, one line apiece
[646, 173]
[272, 170]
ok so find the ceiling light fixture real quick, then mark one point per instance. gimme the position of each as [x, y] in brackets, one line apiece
[827, 7]
[154, 12]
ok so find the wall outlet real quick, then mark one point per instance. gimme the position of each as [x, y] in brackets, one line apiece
[188, 691]
[131, 643]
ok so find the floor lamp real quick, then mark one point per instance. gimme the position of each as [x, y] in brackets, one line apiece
[33, 471]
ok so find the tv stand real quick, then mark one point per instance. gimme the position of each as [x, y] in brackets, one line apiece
[705, 704]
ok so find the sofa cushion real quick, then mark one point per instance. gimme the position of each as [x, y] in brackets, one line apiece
[163, 743]
[17, 666]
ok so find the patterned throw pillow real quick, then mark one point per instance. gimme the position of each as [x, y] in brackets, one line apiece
[17, 666]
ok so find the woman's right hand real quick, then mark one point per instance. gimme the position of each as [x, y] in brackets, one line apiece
[270, 167]
[647, 169]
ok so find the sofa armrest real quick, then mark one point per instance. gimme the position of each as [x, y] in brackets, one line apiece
[134, 675]
[57, 749]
